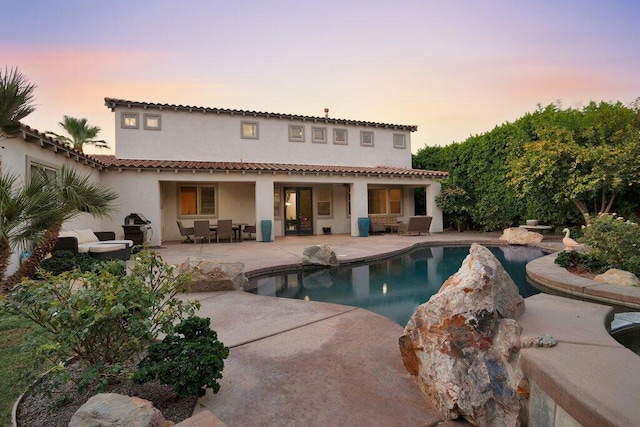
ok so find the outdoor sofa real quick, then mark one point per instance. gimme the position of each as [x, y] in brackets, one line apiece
[99, 244]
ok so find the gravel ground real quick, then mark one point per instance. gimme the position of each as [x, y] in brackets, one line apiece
[36, 409]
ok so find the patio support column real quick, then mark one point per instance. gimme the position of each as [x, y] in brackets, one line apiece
[264, 205]
[432, 191]
[359, 204]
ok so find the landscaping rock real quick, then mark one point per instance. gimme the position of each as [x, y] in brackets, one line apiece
[321, 254]
[618, 277]
[462, 345]
[212, 276]
[116, 410]
[520, 236]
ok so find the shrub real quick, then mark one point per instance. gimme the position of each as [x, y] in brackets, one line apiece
[102, 319]
[582, 261]
[615, 241]
[190, 361]
[61, 261]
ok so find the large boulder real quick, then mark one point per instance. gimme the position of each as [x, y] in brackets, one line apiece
[520, 236]
[212, 276]
[321, 254]
[461, 346]
[116, 410]
[618, 277]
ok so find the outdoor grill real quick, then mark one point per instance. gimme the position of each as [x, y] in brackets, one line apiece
[137, 228]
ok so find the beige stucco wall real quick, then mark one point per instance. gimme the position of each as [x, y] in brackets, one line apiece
[210, 137]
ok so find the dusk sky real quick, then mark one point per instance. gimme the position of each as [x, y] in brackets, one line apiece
[453, 68]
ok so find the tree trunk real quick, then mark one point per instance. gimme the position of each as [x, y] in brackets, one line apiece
[5, 256]
[39, 253]
[582, 208]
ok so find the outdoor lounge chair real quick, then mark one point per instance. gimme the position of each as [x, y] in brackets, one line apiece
[201, 229]
[416, 224]
[225, 230]
[185, 231]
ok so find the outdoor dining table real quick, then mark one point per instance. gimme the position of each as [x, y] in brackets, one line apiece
[236, 227]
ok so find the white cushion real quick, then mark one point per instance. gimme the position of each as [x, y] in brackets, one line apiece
[86, 236]
[106, 247]
[84, 247]
[123, 242]
[68, 233]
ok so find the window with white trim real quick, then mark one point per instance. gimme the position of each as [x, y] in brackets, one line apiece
[129, 120]
[340, 136]
[319, 135]
[197, 200]
[296, 133]
[399, 140]
[249, 130]
[366, 138]
[323, 201]
[151, 121]
[34, 166]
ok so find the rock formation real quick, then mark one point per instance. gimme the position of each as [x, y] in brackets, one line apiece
[321, 254]
[618, 277]
[111, 409]
[462, 345]
[211, 275]
[520, 236]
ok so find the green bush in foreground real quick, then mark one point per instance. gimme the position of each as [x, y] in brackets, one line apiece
[614, 241]
[101, 319]
[190, 361]
[63, 261]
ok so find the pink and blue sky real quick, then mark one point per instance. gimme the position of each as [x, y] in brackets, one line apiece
[453, 68]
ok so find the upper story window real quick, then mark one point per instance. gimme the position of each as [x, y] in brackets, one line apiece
[129, 121]
[38, 166]
[340, 136]
[197, 200]
[319, 135]
[249, 130]
[366, 138]
[296, 133]
[152, 121]
[399, 140]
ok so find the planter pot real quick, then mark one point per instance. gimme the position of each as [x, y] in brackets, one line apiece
[532, 222]
[326, 230]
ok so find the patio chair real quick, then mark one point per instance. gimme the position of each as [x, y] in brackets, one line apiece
[185, 231]
[201, 229]
[416, 224]
[225, 230]
[250, 229]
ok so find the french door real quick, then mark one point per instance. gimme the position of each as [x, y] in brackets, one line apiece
[298, 210]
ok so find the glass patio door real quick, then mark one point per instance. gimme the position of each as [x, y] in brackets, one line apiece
[298, 210]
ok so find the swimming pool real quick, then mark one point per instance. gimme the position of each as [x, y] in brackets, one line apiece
[392, 287]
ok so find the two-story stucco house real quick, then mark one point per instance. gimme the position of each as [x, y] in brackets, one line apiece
[182, 163]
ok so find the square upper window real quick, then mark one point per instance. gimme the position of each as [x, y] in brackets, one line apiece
[340, 136]
[366, 138]
[399, 140]
[296, 133]
[319, 135]
[249, 130]
[152, 121]
[129, 121]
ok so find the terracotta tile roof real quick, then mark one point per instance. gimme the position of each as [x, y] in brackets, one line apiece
[35, 136]
[111, 162]
[112, 103]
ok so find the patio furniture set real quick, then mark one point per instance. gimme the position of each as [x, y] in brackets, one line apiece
[390, 224]
[224, 229]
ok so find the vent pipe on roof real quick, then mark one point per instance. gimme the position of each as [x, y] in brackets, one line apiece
[326, 113]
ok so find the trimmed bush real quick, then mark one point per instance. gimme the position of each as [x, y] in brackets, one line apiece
[190, 361]
[614, 241]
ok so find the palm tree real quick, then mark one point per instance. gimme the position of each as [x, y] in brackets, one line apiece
[58, 199]
[81, 133]
[16, 100]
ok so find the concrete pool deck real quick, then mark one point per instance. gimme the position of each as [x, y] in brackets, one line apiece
[295, 362]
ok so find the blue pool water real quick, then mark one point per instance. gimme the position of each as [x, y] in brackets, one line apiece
[392, 287]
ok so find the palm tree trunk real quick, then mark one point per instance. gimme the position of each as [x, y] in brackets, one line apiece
[5, 256]
[39, 253]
